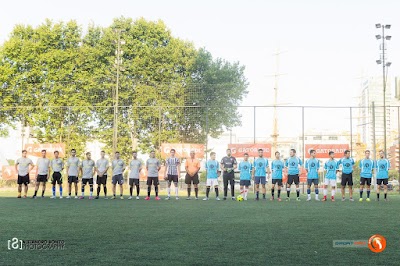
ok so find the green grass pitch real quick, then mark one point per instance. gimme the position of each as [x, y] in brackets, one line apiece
[131, 232]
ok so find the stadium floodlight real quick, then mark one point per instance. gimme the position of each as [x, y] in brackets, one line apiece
[379, 62]
[378, 26]
[387, 26]
[378, 36]
[388, 38]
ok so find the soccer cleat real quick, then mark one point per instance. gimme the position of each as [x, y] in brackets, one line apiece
[157, 198]
[52, 197]
[68, 197]
[323, 199]
[257, 199]
[113, 197]
[287, 199]
[351, 199]
[137, 197]
[167, 198]
[105, 198]
[224, 198]
[42, 197]
[90, 197]
[279, 199]
[333, 199]
[147, 198]
[205, 198]
[33, 197]
[81, 197]
[76, 197]
[61, 197]
[24, 196]
[188, 198]
[196, 198]
[121, 197]
[308, 199]
[19, 196]
[317, 199]
[97, 197]
[177, 198]
[386, 199]
[130, 197]
[297, 199]
[233, 198]
[360, 200]
[343, 199]
[245, 198]
[217, 198]
[271, 198]
[368, 199]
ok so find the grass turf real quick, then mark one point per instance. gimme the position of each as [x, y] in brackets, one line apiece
[104, 232]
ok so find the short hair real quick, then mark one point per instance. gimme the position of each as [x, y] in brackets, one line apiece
[102, 151]
[24, 151]
[312, 150]
[331, 152]
[56, 152]
[367, 151]
[88, 153]
[152, 151]
[43, 150]
[134, 152]
[212, 153]
[346, 151]
[381, 151]
[73, 150]
[277, 152]
[172, 150]
[293, 150]
[246, 154]
[260, 149]
[117, 152]
[228, 149]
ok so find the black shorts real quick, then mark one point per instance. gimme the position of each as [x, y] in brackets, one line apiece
[41, 178]
[56, 178]
[245, 183]
[279, 181]
[23, 180]
[152, 180]
[102, 180]
[293, 178]
[382, 181]
[347, 179]
[133, 181]
[192, 179]
[72, 179]
[87, 180]
[312, 181]
[172, 178]
[365, 180]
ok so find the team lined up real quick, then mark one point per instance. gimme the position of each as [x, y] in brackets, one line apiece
[257, 171]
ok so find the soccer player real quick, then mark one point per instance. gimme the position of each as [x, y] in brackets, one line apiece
[366, 166]
[382, 174]
[118, 167]
[312, 166]
[73, 164]
[245, 169]
[153, 166]
[102, 166]
[212, 167]
[347, 174]
[23, 166]
[293, 164]
[192, 167]
[277, 166]
[57, 165]
[135, 167]
[171, 173]
[42, 173]
[87, 170]
[331, 167]
[259, 173]
[228, 166]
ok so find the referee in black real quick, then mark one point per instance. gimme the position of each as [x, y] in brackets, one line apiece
[228, 166]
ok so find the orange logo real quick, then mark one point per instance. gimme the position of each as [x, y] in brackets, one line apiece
[377, 243]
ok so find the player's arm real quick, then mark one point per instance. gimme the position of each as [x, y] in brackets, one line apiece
[253, 171]
[165, 169]
[222, 165]
[48, 169]
[178, 169]
[306, 166]
[235, 164]
[16, 166]
[31, 166]
[268, 169]
[37, 168]
[187, 168]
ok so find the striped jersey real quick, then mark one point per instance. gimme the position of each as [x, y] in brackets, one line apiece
[172, 164]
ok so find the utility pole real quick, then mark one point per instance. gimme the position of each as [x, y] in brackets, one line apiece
[117, 65]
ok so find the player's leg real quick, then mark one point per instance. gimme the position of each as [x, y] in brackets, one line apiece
[196, 189]
[59, 182]
[69, 186]
[216, 188]
[385, 188]
[378, 188]
[232, 183]
[246, 189]
[36, 186]
[175, 180]
[257, 181]
[148, 183]
[19, 182]
[343, 188]
[351, 187]
[169, 182]
[309, 182]
[362, 183]
[44, 185]
[368, 188]
[137, 184]
[297, 183]
[316, 189]
[264, 189]
[76, 187]
[130, 188]
[91, 188]
[98, 187]
[121, 186]
[53, 186]
[208, 188]
[288, 185]
[83, 184]
[225, 180]
[279, 189]
[114, 186]
[273, 182]
[241, 187]
[156, 185]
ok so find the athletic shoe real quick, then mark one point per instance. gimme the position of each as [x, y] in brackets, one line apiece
[81, 197]
[60, 197]
[279, 199]
[272, 198]
[76, 197]
[121, 197]
[287, 199]
[368, 199]
[68, 197]
[224, 198]
[351, 199]
[137, 197]
[245, 198]
[188, 198]
[167, 198]
[52, 197]
[90, 197]
[360, 200]
[97, 197]
[24, 196]
[317, 199]
[205, 198]
[323, 199]
[257, 199]
[233, 198]
[157, 198]
[297, 199]
[308, 199]
[105, 198]
[33, 197]
[333, 199]
[42, 197]
[377, 199]
[217, 198]
[113, 197]
[130, 197]
[19, 196]
[196, 198]
[386, 199]
[177, 198]
[264, 198]
[343, 199]
[147, 198]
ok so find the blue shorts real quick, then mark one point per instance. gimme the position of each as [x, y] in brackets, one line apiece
[260, 179]
[245, 183]
[312, 181]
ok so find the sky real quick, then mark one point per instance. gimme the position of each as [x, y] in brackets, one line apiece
[328, 46]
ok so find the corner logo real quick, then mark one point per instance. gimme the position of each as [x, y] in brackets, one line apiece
[377, 243]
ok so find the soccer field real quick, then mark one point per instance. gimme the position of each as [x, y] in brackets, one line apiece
[131, 232]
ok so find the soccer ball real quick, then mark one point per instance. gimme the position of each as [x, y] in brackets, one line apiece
[239, 198]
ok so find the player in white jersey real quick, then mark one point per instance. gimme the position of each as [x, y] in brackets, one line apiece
[87, 172]
[135, 166]
[73, 164]
[102, 166]
[118, 167]
[23, 166]
[42, 173]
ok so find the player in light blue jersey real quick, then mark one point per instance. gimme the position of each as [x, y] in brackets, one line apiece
[382, 174]
[212, 172]
[366, 166]
[260, 170]
[276, 166]
[245, 169]
[347, 174]
[331, 168]
[293, 164]
[312, 166]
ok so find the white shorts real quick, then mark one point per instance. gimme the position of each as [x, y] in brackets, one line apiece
[331, 182]
[212, 182]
